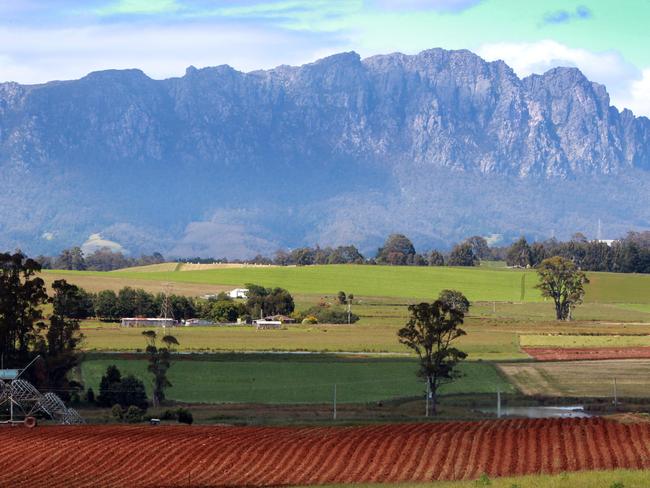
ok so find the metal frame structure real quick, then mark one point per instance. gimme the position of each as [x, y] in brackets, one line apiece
[25, 402]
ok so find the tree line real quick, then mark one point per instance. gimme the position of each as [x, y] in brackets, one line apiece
[630, 254]
[103, 259]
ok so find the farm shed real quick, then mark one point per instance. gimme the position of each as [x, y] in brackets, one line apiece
[147, 322]
[267, 324]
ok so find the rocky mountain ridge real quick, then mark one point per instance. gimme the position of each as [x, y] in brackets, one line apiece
[119, 150]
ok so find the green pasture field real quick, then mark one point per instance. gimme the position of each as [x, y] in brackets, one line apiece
[292, 379]
[481, 283]
[480, 342]
[619, 478]
[581, 378]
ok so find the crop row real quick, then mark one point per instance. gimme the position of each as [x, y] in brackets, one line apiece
[120, 456]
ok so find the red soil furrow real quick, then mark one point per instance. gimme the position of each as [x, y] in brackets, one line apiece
[611, 458]
[546, 448]
[586, 353]
[489, 459]
[389, 454]
[366, 462]
[288, 462]
[478, 455]
[321, 471]
[619, 450]
[576, 450]
[43, 461]
[226, 453]
[453, 445]
[327, 471]
[559, 447]
[534, 462]
[507, 462]
[126, 467]
[231, 474]
[639, 432]
[361, 471]
[101, 456]
[463, 458]
[633, 455]
[308, 467]
[408, 458]
[425, 458]
[121, 456]
[340, 467]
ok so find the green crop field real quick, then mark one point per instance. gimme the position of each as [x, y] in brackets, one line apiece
[479, 284]
[295, 379]
[370, 281]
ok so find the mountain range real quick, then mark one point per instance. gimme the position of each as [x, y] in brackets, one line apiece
[439, 146]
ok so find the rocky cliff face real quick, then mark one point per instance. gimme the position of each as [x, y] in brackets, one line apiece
[112, 140]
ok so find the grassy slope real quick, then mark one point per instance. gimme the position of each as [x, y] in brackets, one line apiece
[479, 284]
[292, 379]
[377, 281]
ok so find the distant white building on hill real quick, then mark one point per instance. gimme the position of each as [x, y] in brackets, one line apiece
[238, 293]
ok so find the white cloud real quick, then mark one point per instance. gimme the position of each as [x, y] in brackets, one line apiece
[36, 55]
[628, 87]
[95, 242]
[639, 95]
[438, 5]
[48, 236]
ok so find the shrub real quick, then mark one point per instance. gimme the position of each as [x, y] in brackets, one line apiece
[90, 396]
[331, 315]
[133, 415]
[184, 416]
[117, 412]
[169, 415]
[310, 319]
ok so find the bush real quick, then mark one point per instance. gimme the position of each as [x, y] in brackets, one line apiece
[331, 315]
[117, 412]
[310, 319]
[169, 415]
[90, 396]
[184, 416]
[133, 415]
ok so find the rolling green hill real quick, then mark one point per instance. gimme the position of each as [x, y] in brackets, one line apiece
[479, 284]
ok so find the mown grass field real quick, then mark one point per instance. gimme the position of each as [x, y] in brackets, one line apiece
[295, 379]
[581, 378]
[480, 343]
[478, 284]
[371, 281]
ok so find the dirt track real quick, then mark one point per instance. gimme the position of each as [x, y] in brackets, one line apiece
[143, 456]
[586, 353]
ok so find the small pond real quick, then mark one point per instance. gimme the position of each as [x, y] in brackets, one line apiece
[572, 411]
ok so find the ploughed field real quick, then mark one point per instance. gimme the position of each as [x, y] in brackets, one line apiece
[125, 456]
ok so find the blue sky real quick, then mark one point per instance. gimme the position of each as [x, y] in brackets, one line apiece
[43, 40]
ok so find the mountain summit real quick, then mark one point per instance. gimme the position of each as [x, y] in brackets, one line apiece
[249, 159]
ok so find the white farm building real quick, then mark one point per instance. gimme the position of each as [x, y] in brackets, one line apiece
[238, 293]
[147, 322]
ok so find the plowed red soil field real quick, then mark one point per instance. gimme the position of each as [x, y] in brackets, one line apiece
[587, 353]
[124, 456]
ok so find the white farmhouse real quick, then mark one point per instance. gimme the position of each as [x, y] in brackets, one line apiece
[238, 293]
